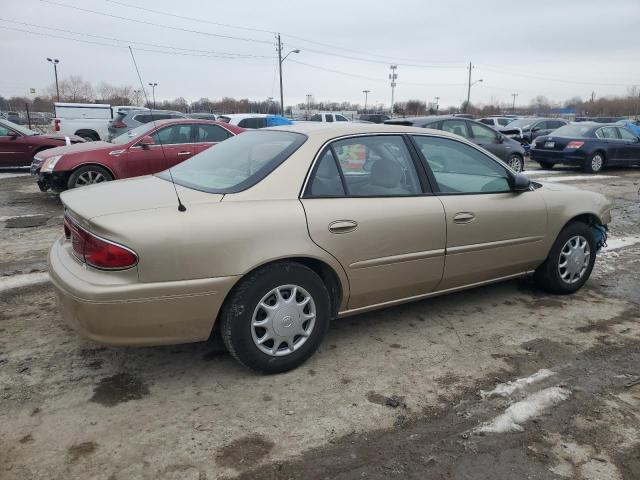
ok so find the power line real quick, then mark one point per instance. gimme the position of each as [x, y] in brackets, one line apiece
[550, 79]
[145, 22]
[213, 53]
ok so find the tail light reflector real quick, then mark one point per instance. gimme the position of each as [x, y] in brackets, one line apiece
[98, 252]
[574, 144]
[56, 124]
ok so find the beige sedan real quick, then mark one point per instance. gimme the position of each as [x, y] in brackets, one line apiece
[275, 232]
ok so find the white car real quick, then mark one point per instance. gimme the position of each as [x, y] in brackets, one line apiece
[328, 117]
[496, 122]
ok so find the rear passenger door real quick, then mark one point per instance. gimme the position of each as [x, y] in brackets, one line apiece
[615, 149]
[368, 204]
[629, 149]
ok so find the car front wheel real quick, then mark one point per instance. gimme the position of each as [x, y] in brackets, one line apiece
[570, 261]
[88, 175]
[276, 318]
[516, 162]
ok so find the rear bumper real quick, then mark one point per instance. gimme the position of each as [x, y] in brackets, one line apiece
[549, 156]
[116, 309]
[53, 181]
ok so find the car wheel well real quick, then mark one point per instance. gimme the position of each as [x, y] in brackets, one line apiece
[89, 132]
[588, 219]
[601, 152]
[93, 164]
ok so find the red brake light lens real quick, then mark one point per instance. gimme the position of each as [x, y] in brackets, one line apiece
[96, 251]
[56, 124]
[119, 124]
[574, 144]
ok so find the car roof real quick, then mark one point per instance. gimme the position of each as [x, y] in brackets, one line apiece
[333, 130]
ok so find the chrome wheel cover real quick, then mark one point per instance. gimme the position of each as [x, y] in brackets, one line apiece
[574, 259]
[516, 163]
[283, 320]
[596, 162]
[89, 178]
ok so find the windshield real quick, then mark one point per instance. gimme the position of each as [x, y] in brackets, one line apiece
[18, 128]
[523, 123]
[572, 130]
[132, 134]
[237, 163]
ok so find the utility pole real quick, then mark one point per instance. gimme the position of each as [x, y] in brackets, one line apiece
[308, 105]
[280, 60]
[393, 76]
[513, 108]
[55, 63]
[366, 96]
[153, 89]
[466, 107]
[593, 97]
[437, 104]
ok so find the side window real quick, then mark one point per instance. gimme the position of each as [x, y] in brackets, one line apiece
[486, 121]
[316, 118]
[434, 125]
[503, 121]
[4, 132]
[211, 134]
[481, 132]
[457, 127]
[142, 118]
[624, 134]
[539, 126]
[340, 118]
[174, 134]
[459, 168]
[377, 166]
[607, 132]
[328, 117]
[326, 180]
[555, 124]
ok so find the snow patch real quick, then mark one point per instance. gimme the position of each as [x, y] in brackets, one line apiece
[506, 389]
[24, 280]
[571, 178]
[12, 175]
[621, 242]
[524, 410]
[533, 173]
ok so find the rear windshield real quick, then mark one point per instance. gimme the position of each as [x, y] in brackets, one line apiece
[237, 163]
[572, 130]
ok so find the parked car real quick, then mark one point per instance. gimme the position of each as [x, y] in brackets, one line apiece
[506, 149]
[496, 122]
[591, 145]
[14, 117]
[86, 120]
[146, 149]
[18, 144]
[328, 117]
[599, 119]
[286, 232]
[127, 120]
[204, 116]
[374, 117]
[526, 129]
[254, 120]
[633, 125]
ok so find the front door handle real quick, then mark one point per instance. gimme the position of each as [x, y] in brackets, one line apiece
[184, 153]
[463, 217]
[343, 226]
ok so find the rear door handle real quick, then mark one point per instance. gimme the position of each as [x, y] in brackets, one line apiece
[184, 153]
[343, 226]
[463, 217]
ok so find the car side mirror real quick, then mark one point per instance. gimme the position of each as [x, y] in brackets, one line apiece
[520, 183]
[146, 142]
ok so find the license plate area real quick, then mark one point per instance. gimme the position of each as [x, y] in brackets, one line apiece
[549, 144]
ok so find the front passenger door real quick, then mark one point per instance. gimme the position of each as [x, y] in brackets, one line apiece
[489, 139]
[492, 232]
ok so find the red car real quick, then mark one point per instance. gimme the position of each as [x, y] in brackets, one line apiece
[149, 148]
[18, 144]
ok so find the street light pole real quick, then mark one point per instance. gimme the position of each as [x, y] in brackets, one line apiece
[366, 96]
[437, 104]
[55, 62]
[393, 76]
[153, 90]
[280, 60]
[514, 95]
[308, 105]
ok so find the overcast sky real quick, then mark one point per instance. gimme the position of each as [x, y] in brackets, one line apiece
[559, 49]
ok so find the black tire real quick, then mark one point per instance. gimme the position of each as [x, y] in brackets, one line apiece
[547, 276]
[88, 135]
[238, 310]
[595, 162]
[516, 162]
[88, 171]
[546, 165]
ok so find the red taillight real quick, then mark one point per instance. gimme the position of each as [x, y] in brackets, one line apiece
[574, 144]
[56, 124]
[119, 124]
[96, 251]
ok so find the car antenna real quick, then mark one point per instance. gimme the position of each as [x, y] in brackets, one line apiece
[181, 207]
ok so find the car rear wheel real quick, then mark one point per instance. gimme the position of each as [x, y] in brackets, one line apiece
[594, 163]
[516, 162]
[546, 165]
[570, 261]
[276, 318]
[88, 175]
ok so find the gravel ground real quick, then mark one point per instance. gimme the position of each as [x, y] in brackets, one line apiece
[391, 394]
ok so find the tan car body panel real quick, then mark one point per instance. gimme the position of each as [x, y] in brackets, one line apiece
[189, 261]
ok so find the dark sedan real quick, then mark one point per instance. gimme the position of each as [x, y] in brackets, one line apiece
[506, 149]
[525, 130]
[18, 144]
[591, 145]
